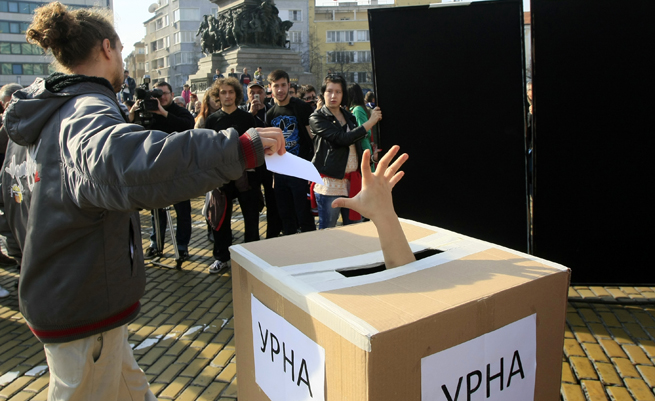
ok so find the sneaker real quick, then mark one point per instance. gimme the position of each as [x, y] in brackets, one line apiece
[6, 261]
[151, 253]
[219, 266]
[3, 293]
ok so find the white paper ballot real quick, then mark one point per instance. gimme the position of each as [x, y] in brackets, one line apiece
[294, 166]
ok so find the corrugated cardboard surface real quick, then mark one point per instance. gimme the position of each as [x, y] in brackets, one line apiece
[402, 300]
[395, 359]
[410, 316]
[346, 364]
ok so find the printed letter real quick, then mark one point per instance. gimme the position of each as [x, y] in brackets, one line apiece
[264, 337]
[513, 372]
[470, 390]
[284, 353]
[494, 377]
[303, 368]
[447, 394]
[276, 349]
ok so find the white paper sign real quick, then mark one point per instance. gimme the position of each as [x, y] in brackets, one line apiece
[288, 364]
[294, 166]
[497, 366]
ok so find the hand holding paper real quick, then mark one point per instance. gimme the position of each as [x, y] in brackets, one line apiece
[272, 139]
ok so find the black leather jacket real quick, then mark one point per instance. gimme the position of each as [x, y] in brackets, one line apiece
[332, 142]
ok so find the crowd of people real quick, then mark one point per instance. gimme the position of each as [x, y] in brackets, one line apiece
[331, 127]
[77, 170]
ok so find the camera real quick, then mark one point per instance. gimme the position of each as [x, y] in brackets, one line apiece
[147, 100]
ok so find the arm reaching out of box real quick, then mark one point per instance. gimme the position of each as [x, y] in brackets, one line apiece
[375, 202]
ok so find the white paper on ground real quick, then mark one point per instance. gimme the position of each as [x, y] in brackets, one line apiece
[497, 366]
[294, 166]
[288, 364]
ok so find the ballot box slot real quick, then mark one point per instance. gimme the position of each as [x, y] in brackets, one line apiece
[378, 267]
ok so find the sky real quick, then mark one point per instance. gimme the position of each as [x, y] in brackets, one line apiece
[129, 16]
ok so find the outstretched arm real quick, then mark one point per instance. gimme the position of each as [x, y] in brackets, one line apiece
[375, 202]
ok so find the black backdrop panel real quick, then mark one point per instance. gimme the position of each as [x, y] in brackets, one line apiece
[450, 84]
[593, 92]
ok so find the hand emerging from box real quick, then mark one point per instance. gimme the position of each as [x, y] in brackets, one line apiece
[375, 202]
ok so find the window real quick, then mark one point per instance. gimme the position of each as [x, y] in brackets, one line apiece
[162, 3]
[147, 66]
[340, 57]
[295, 15]
[160, 44]
[159, 24]
[141, 50]
[19, 48]
[363, 36]
[186, 14]
[25, 69]
[183, 58]
[294, 36]
[183, 37]
[325, 16]
[140, 66]
[364, 78]
[21, 7]
[340, 36]
[364, 56]
[13, 27]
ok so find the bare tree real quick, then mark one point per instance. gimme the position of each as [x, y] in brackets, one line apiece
[314, 55]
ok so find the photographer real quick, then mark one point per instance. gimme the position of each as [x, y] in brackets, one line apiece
[170, 117]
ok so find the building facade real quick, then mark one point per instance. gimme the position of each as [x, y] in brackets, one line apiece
[22, 62]
[172, 49]
[297, 11]
[340, 42]
[135, 62]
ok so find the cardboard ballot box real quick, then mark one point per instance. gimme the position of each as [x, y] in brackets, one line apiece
[318, 317]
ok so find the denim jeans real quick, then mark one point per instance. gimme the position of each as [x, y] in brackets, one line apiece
[327, 215]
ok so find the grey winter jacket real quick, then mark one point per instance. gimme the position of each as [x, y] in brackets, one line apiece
[74, 175]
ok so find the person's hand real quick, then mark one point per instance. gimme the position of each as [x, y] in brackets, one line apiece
[161, 111]
[374, 200]
[255, 106]
[376, 115]
[273, 140]
[133, 109]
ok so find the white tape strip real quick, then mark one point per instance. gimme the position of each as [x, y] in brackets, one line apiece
[305, 296]
[513, 251]
[450, 253]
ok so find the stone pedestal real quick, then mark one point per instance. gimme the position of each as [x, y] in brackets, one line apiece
[248, 57]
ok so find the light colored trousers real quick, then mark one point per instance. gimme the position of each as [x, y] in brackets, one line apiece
[100, 368]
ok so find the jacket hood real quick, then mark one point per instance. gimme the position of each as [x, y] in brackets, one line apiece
[32, 107]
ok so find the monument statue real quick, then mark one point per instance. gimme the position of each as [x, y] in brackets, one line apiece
[249, 24]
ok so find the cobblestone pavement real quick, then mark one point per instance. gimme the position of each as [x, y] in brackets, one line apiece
[184, 336]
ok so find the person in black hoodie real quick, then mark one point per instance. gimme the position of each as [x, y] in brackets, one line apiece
[170, 118]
